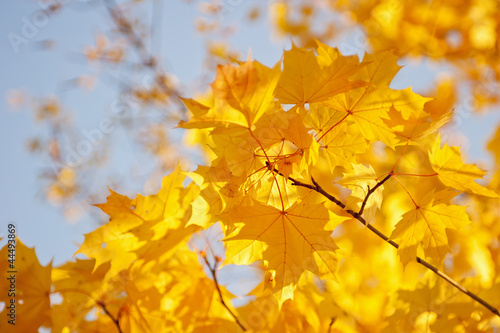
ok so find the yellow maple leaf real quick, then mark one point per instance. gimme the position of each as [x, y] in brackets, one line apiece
[368, 106]
[290, 241]
[248, 88]
[322, 118]
[110, 244]
[341, 144]
[297, 134]
[238, 148]
[141, 222]
[78, 280]
[425, 226]
[211, 113]
[25, 291]
[308, 78]
[450, 169]
[121, 210]
[416, 125]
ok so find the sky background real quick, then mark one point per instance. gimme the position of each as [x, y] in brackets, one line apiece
[44, 73]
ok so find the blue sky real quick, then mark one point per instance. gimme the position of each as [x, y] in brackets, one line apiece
[43, 73]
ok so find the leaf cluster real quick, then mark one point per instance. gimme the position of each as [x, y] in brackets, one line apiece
[298, 154]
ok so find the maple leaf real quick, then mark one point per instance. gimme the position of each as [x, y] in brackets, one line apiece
[144, 277]
[308, 78]
[271, 127]
[220, 175]
[77, 283]
[110, 244]
[197, 108]
[341, 144]
[216, 114]
[297, 133]
[450, 169]
[238, 149]
[368, 106]
[248, 88]
[285, 165]
[322, 118]
[31, 284]
[425, 226]
[417, 124]
[299, 136]
[291, 241]
[80, 280]
[141, 222]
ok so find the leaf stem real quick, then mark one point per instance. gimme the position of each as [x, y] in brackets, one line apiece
[213, 271]
[371, 190]
[406, 190]
[268, 163]
[341, 120]
[415, 175]
[331, 324]
[399, 158]
[116, 320]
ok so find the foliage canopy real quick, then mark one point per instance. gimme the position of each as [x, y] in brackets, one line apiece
[316, 170]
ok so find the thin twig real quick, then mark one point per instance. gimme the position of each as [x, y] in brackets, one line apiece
[213, 271]
[371, 190]
[357, 215]
[331, 324]
[115, 320]
[126, 28]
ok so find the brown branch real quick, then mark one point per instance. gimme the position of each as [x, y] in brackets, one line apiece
[213, 271]
[357, 215]
[116, 321]
[370, 191]
[331, 324]
[126, 28]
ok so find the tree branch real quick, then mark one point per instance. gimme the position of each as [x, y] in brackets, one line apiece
[126, 28]
[358, 216]
[213, 271]
[331, 324]
[116, 321]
